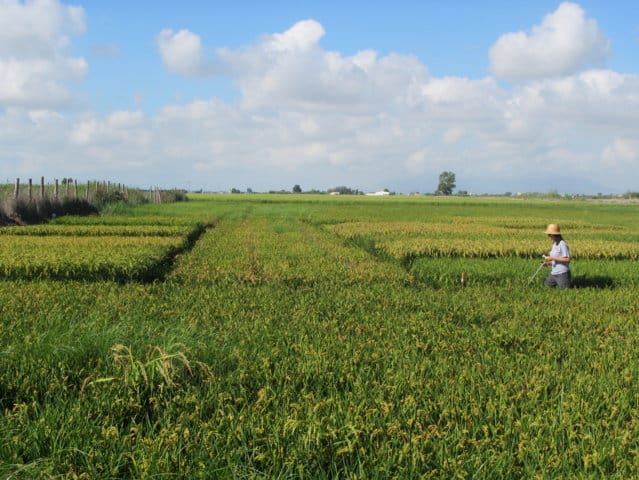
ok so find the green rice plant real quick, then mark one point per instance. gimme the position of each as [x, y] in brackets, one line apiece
[131, 218]
[514, 272]
[259, 250]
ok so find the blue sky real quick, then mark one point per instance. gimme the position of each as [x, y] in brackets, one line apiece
[511, 96]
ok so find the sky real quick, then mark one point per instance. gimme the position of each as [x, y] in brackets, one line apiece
[511, 96]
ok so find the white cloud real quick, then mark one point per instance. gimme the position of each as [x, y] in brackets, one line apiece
[37, 28]
[117, 129]
[291, 69]
[320, 118]
[182, 52]
[453, 135]
[39, 82]
[601, 100]
[125, 119]
[301, 36]
[565, 42]
[622, 153]
[417, 162]
[34, 68]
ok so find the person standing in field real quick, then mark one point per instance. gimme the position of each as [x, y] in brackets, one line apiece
[558, 258]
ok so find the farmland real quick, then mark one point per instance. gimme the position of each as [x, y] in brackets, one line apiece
[300, 336]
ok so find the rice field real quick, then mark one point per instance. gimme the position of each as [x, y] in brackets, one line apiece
[299, 336]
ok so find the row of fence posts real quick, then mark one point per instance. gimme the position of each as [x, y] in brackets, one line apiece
[107, 186]
[154, 193]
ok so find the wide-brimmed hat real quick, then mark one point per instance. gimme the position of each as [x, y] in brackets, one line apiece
[553, 229]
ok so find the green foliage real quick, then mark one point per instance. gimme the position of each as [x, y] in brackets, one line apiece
[446, 183]
[344, 190]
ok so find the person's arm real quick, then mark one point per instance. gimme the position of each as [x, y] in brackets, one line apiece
[549, 259]
[563, 257]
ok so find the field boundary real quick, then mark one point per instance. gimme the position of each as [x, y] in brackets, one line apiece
[165, 265]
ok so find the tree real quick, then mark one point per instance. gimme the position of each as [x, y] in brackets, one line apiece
[446, 183]
[297, 189]
[343, 190]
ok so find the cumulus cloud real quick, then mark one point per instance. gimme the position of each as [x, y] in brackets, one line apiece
[39, 82]
[565, 42]
[34, 66]
[38, 28]
[301, 36]
[601, 100]
[320, 118]
[181, 52]
[292, 68]
[117, 128]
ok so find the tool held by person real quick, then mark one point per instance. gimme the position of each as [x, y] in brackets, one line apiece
[537, 271]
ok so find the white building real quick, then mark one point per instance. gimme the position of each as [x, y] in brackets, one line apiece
[378, 194]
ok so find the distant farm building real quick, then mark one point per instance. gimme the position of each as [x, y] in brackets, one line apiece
[378, 194]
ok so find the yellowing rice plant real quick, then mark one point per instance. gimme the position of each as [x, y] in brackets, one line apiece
[471, 239]
[83, 257]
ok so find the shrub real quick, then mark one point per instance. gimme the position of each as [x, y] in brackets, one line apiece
[167, 196]
[25, 211]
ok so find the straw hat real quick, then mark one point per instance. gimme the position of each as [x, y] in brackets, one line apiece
[553, 229]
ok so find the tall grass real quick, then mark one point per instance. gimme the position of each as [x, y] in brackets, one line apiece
[30, 209]
[25, 211]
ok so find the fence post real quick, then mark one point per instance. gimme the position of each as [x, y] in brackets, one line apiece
[87, 192]
[55, 190]
[42, 187]
[30, 190]
[75, 189]
[16, 192]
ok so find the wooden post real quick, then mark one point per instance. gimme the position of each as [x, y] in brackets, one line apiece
[30, 190]
[87, 192]
[75, 189]
[55, 190]
[16, 192]
[41, 187]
